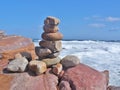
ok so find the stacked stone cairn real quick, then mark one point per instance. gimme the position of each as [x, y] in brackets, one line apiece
[48, 51]
[51, 45]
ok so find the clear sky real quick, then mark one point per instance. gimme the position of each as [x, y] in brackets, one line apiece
[80, 19]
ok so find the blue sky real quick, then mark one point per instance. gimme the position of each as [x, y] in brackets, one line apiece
[80, 19]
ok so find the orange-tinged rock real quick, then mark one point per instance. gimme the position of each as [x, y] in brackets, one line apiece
[57, 68]
[5, 82]
[52, 36]
[11, 45]
[3, 65]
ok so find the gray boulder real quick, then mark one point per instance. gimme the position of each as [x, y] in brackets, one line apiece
[17, 65]
[70, 61]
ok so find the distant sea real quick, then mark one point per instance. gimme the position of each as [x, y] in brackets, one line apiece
[99, 54]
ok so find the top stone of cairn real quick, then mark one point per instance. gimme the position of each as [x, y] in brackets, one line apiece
[51, 21]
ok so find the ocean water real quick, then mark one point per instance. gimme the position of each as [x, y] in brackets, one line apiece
[100, 55]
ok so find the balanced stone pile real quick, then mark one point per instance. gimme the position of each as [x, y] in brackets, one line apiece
[51, 45]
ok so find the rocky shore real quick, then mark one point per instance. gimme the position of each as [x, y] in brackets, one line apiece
[26, 67]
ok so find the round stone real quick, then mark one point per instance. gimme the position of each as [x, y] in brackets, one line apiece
[50, 29]
[52, 36]
[50, 20]
[70, 61]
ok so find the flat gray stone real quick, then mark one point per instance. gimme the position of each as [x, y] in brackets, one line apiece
[17, 65]
[51, 61]
[70, 61]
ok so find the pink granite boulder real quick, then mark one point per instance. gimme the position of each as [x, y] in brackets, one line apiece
[82, 77]
[23, 81]
[113, 88]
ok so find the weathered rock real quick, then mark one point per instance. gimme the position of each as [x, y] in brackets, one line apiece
[1, 56]
[70, 61]
[54, 46]
[3, 65]
[38, 67]
[50, 29]
[113, 88]
[61, 74]
[17, 65]
[106, 73]
[51, 61]
[18, 55]
[54, 55]
[57, 68]
[52, 36]
[5, 82]
[82, 77]
[11, 45]
[64, 85]
[42, 52]
[23, 81]
[27, 55]
[51, 21]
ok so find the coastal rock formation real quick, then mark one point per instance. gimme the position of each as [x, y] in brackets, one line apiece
[11, 45]
[82, 77]
[23, 81]
[17, 54]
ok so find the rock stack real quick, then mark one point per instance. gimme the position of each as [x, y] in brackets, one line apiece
[51, 45]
